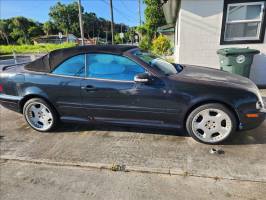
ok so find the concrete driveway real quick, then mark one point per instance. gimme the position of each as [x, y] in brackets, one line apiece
[103, 162]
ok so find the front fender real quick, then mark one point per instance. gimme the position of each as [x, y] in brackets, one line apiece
[239, 102]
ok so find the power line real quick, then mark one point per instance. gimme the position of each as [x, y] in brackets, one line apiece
[126, 7]
[126, 14]
[119, 12]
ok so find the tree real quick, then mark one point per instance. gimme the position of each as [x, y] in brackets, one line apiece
[153, 15]
[65, 17]
[36, 29]
[118, 39]
[130, 34]
[49, 28]
[4, 30]
[145, 43]
[154, 18]
[90, 24]
[142, 30]
[23, 30]
[21, 26]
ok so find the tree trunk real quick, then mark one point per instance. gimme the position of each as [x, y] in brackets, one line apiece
[7, 40]
[67, 36]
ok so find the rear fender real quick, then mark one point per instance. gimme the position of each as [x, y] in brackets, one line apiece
[31, 92]
[3, 81]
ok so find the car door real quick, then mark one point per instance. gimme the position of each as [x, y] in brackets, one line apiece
[110, 94]
[64, 86]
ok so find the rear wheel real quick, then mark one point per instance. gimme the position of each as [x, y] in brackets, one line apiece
[211, 123]
[40, 115]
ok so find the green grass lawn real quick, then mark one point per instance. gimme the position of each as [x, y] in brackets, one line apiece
[39, 48]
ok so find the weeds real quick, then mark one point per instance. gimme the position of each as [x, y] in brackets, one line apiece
[38, 48]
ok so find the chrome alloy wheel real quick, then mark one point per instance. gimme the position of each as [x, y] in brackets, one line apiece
[212, 125]
[39, 116]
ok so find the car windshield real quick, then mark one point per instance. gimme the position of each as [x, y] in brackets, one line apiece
[159, 63]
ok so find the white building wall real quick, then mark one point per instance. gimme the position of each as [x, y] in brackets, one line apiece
[199, 28]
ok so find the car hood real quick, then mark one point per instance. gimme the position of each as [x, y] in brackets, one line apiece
[211, 76]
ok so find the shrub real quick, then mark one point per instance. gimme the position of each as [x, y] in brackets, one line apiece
[118, 39]
[145, 43]
[161, 45]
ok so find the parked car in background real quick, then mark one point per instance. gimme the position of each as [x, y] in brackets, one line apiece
[122, 85]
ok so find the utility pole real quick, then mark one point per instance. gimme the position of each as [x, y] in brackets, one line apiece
[139, 13]
[81, 23]
[106, 37]
[122, 33]
[112, 20]
[140, 35]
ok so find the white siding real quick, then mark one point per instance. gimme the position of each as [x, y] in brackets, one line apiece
[199, 28]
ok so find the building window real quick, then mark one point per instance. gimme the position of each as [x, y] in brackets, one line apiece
[243, 23]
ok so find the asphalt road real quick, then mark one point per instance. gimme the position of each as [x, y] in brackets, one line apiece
[104, 162]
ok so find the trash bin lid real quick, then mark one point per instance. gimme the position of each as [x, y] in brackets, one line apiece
[235, 51]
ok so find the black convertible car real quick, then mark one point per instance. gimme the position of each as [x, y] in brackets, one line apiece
[122, 85]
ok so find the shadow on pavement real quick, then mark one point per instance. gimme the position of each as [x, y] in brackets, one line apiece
[256, 136]
[66, 127]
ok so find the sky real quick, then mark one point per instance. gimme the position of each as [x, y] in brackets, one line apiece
[125, 11]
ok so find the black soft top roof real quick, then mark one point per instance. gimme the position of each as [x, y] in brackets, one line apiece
[51, 60]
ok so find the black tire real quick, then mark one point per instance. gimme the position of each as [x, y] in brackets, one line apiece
[53, 112]
[218, 106]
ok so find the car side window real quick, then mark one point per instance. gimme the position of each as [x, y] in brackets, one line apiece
[74, 66]
[113, 67]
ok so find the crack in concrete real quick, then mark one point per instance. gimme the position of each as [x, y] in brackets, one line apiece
[110, 167]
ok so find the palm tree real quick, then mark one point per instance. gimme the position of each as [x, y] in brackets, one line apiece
[48, 27]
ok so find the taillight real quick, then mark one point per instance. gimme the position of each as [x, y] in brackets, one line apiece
[1, 88]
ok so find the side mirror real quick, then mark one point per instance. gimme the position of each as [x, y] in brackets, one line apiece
[142, 78]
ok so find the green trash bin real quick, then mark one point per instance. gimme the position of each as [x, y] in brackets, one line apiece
[237, 60]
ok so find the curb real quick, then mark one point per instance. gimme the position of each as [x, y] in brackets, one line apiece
[121, 168]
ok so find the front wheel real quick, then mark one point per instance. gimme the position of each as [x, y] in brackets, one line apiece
[39, 115]
[211, 123]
